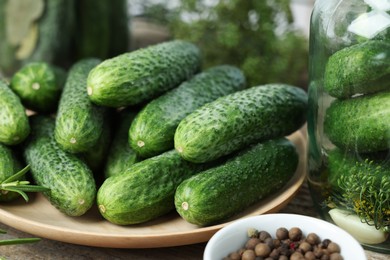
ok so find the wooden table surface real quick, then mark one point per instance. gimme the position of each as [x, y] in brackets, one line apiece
[49, 249]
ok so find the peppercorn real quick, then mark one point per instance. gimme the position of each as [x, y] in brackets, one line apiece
[270, 242]
[234, 256]
[333, 248]
[294, 246]
[309, 255]
[262, 249]
[251, 243]
[325, 243]
[297, 256]
[305, 246]
[336, 256]
[295, 234]
[248, 255]
[263, 235]
[312, 239]
[282, 233]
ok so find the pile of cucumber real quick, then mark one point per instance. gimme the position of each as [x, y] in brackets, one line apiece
[148, 132]
[357, 124]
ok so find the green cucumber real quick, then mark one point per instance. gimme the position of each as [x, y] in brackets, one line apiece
[96, 156]
[360, 69]
[79, 122]
[146, 190]
[120, 19]
[104, 21]
[234, 121]
[71, 183]
[39, 86]
[9, 165]
[359, 124]
[55, 33]
[153, 129]
[226, 190]
[8, 62]
[14, 125]
[93, 23]
[134, 77]
[120, 155]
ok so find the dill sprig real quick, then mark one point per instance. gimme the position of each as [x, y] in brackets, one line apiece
[364, 188]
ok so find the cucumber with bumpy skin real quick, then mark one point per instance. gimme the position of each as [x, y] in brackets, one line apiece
[96, 156]
[9, 165]
[39, 86]
[359, 124]
[239, 119]
[71, 183]
[55, 33]
[223, 191]
[360, 69]
[93, 23]
[146, 190]
[168, 110]
[120, 155]
[134, 77]
[79, 122]
[14, 125]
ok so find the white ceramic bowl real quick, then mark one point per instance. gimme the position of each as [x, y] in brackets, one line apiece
[233, 236]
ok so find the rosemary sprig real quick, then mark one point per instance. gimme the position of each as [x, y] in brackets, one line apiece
[17, 241]
[14, 184]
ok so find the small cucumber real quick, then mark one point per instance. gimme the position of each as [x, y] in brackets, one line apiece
[8, 61]
[239, 119]
[9, 165]
[223, 191]
[71, 183]
[360, 69]
[14, 125]
[359, 124]
[39, 86]
[79, 122]
[119, 27]
[55, 27]
[120, 155]
[146, 190]
[153, 129]
[93, 23]
[96, 156]
[104, 21]
[134, 77]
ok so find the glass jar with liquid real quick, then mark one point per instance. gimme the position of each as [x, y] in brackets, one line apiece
[349, 117]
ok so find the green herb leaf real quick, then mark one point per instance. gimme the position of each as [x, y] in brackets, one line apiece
[17, 175]
[14, 184]
[18, 241]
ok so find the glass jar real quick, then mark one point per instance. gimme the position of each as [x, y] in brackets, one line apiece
[349, 117]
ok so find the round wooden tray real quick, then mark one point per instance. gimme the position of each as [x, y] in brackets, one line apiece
[40, 218]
